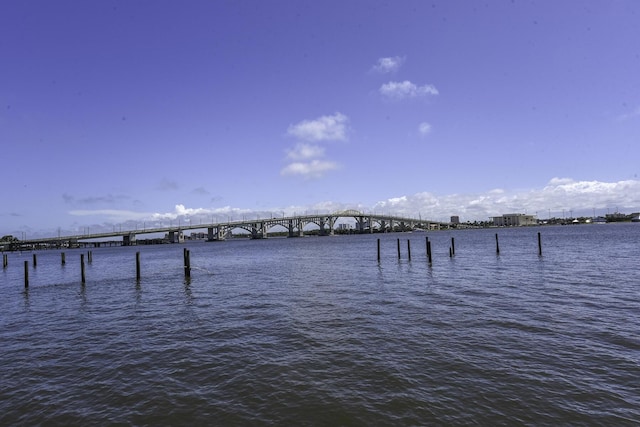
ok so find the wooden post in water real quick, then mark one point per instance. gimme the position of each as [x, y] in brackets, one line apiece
[82, 276]
[138, 266]
[497, 245]
[450, 252]
[378, 250]
[5, 260]
[26, 274]
[453, 247]
[429, 251]
[409, 249]
[539, 244]
[398, 248]
[426, 242]
[187, 263]
[62, 260]
[184, 260]
[35, 261]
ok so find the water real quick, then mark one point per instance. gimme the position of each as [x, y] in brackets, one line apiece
[314, 331]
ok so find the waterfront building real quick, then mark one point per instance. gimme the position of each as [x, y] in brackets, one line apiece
[514, 220]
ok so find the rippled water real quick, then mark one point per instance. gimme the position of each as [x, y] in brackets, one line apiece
[316, 331]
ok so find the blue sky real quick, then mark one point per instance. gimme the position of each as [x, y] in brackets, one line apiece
[121, 112]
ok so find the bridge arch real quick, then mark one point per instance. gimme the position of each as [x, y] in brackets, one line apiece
[348, 212]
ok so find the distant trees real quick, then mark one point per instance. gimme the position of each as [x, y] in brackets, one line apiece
[8, 239]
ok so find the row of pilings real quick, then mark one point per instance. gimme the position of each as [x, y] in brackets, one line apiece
[452, 248]
[187, 258]
[89, 260]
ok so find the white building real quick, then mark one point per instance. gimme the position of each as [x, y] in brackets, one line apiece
[514, 220]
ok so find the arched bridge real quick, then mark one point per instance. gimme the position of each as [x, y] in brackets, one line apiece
[294, 226]
[326, 223]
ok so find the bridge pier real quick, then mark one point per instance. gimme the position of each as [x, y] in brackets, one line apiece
[360, 224]
[215, 234]
[329, 222]
[363, 222]
[258, 230]
[296, 230]
[129, 239]
[176, 236]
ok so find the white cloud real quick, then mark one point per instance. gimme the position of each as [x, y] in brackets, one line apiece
[324, 128]
[424, 128]
[305, 152]
[313, 169]
[578, 197]
[180, 211]
[406, 89]
[388, 64]
[307, 160]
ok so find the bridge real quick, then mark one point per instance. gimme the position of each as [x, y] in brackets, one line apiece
[294, 226]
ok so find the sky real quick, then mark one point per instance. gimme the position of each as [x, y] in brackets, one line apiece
[120, 113]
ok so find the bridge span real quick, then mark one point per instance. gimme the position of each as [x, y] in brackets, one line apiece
[294, 226]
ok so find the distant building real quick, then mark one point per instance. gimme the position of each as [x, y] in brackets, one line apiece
[514, 220]
[616, 217]
[455, 219]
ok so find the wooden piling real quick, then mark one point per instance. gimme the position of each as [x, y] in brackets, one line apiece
[82, 275]
[138, 266]
[497, 245]
[62, 258]
[378, 250]
[398, 248]
[453, 247]
[187, 263]
[539, 245]
[184, 260]
[429, 251]
[35, 261]
[5, 260]
[26, 274]
[409, 249]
